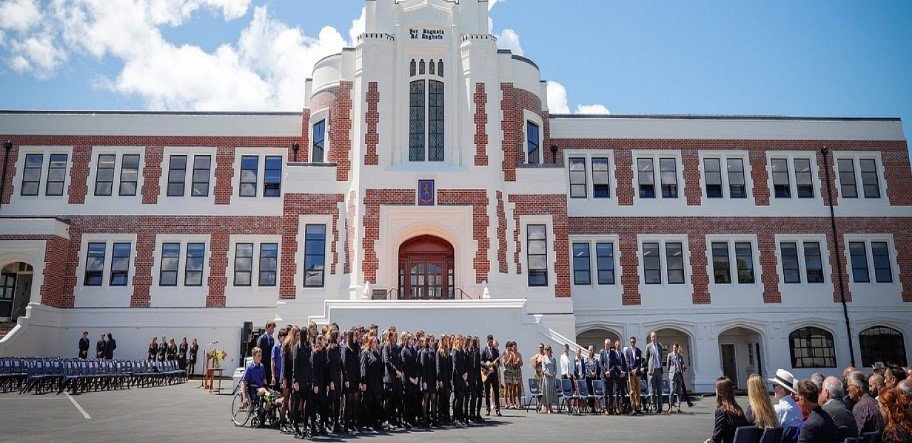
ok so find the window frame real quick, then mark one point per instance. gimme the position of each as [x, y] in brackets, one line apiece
[432, 97]
[315, 141]
[308, 256]
[244, 183]
[26, 168]
[98, 174]
[194, 180]
[582, 263]
[96, 271]
[202, 268]
[808, 335]
[537, 272]
[238, 258]
[63, 170]
[609, 260]
[571, 161]
[118, 272]
[539, 155]
[173, 181]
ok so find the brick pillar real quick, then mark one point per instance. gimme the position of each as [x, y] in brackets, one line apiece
[481, 125]
[692, 187]
[512, 131]
[372, 119]
[288, 263]
[623, 160]
[841, 257]
[304, 144]
[821, 172]
[897, 175]
[59, 281]
[218, 265]
[10, 172]
[142, 280]
[224, 175]
[902, 237]
[339, 132]
[152, 171]
[760, 177]
[699, 277]
[79, 174]
[770, 266]
[501, 235]
[629, 264]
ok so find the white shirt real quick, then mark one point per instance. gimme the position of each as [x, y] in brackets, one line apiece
[788, 412]
[566, 365]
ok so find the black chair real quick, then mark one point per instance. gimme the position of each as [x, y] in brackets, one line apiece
[748, 434]
[870, 437]
[534, 395]
[771, 435]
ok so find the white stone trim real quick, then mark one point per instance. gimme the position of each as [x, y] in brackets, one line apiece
[665, 294]
[255, 294]
[180, 295]
[115, 198]
[105, 295]
[42, 196]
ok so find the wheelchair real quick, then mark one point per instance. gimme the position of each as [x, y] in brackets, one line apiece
[260, 413]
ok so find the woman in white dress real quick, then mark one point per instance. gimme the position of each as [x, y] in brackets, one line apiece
[549, 387]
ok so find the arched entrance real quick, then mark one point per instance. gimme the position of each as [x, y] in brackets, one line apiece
[596, 338]
[740, 350]
[667, 337]
[426, 269]
[15, 290]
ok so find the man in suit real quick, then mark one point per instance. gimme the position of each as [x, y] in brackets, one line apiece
[634, 357]
[618, 367]
[100, 346]
[654, 371]
[605, 367]
[831, 393]
[489, 359]
[675, 364]
[84, 344]
[819, 425]
[266, 342]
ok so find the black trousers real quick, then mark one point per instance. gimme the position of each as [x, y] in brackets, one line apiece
[393, 403]
[312, 408]
[477, 396]
[492, 383]
[373, 409]
[411, 406]
[458, 402]
[443, 402]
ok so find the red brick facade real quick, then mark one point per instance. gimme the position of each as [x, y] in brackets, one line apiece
[339, 101]
[295, 206]
[224, 175]
[371, 119]
[79, 174]
[373, 199]
[481, 125]
[556, 207]
[478, 199]
[515, 102]
[501, 235]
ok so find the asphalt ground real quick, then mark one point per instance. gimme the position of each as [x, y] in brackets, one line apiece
[187, 413]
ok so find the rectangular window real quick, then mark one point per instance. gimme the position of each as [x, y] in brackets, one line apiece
[31, 174]
[416, 120]
[201, 166]
[169, 264]
[813, 262]
[319, 142]
[713, 171]
[601, 183]
[129, 174]
[669, 178]
[177, 175]
[250, 164]
[847, 184]
[314, 255]
[803, 178]
[737, 185]
[537, 254]
[858, 252]
[104, 174]
[193, 272]
[781, 186]
[435, 121]
[721, 264]
[652, 264]
[120, 264]
[604, 262]
[581, 271]
[745, 260]
[869, 178]
[95, 259]
[791, 272]
[269, 263]
[243, 264]
[56, 174]
[674, 256]
[882, 271]
[646, 177]
[272, 180]
[532, 150]
[577, 177]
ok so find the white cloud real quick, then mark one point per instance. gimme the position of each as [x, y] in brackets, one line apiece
[506, 39]
[491, 3]
[357, 28]
[558, 104]
[19, 15]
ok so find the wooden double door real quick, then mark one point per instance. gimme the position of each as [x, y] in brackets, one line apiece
[426, 269]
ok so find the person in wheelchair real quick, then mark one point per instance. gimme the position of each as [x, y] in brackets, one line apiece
[253, 387]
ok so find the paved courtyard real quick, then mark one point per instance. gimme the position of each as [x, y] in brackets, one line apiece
[186, 413]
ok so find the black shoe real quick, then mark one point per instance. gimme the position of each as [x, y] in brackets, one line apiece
[690, 404]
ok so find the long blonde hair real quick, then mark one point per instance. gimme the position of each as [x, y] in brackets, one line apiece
[760, 403]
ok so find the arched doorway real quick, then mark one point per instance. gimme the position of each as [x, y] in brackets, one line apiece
[667, 337]
[426, 269]
[15, 290]
[596, 338]
[740, 351]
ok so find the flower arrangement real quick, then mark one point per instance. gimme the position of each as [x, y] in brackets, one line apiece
[216, 356]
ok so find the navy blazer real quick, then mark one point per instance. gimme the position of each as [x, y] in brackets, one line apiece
[303, 371]
[372, 372]
[616, 363]
[392, 362]
[320, 365]
[444, 368]
[351, 364]
[334, 366]
[473, 358]
[428, 366]
[459, 367]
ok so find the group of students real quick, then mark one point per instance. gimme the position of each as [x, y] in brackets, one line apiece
[183, 353]
[338, 381]
[820, 409]
[104, 347]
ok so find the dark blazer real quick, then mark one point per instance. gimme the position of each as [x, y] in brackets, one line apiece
[474, 368]
[351, 371]
[288, 355]
[411, 368]
[100, 349]
[265, 343]
[84, 344]
[162, 351]
[488, 355]
[725, 426]
[616, 363]
[153, 351]
[843, 418]
[458, 358]
[172, 352]
[192, 356]
[818, 427]
[334, 368]
[182, 351]
[110, 346]
[303, 371]
[372, 372]
[392, 363]
[444, 368]
[429, 368]
[320, 365]
[634, 358]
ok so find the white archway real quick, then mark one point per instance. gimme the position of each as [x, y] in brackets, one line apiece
[17, 288]
[742, 352]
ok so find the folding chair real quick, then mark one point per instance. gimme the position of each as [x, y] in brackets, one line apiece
[747, 434]
[771, 435]
[534, 394]
[598, 391]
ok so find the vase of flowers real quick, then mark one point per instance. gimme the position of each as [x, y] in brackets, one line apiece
[216, 356]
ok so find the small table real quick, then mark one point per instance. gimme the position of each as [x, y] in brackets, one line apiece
[208, 381]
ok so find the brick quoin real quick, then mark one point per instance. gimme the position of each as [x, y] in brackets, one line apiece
[478, 199]
[501, 235]
[895, 156]
[224, 175]
[373, 199]
[295, 206]
[218, 266]
[8, 186]
[371, 119]
[152, 171]
[481, 125]
[339, 101]
[514, 102]
[696, 229]
[57, 288]
[304, 144]
[554, 205]
[79, 174]
[350, 230]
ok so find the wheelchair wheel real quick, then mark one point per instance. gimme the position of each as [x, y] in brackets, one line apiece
[239, 414]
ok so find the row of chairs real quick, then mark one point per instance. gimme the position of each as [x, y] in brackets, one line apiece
[40, 375]
[567, 396]
[753, 434]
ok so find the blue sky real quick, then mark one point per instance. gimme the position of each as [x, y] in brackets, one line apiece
[807, 58]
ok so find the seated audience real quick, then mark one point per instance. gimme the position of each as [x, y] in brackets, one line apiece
[897, 412]
[786, 409]
[760, 412]
[866, 412]
[831, 399]
[819, 426]
[729, 416]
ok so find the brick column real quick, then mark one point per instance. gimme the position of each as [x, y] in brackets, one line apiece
[10, 173]
[770, 266]
[218, 265]
[142, 280]
[692, 187]
[623, 160]
[79, 174]
[699, 277]
[760, 177]
[481, 125]
[627, 244]
[371, 119]
[152, 171]
[501, 235]
[224, 175]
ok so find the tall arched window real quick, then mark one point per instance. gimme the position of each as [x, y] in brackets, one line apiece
[812, 348]
[882, 344]
[426, 115]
